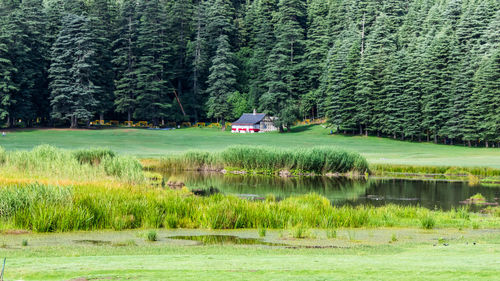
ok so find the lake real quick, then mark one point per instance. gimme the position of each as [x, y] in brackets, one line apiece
[340, 191]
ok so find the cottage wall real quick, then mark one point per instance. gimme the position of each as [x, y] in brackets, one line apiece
[245, 128]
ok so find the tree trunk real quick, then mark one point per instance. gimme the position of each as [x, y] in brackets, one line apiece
[360, 130]
[363, 35]
[366, 132]
[469, 143]
[223, 124]
[288, 128]
[486, 144]
[101, 117]
[74, 122]
[129, 117]
[281, 129]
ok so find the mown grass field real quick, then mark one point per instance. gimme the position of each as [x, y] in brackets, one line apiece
[150, 144]
[416, 255]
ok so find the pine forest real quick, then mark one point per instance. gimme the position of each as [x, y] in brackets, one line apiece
[414, 70]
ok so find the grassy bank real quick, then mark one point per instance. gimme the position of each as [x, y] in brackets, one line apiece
[53, 208]
[153, 144]
[473, 175]
[318, 160]
[388, 169]
[125, 255]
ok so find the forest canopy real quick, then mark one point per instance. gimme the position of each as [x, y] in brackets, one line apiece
[408, 69]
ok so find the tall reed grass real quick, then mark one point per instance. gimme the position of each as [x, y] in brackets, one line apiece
[56, 164]
[49, 208]
[320, 160]
[435, 170]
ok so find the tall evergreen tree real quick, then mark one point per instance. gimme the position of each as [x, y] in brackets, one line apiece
[101, 19]
[283, 66]
[180, 14]
[153, 67]
[221, 81]
[125, 59]
[71, 72]
[486, 99]
[437, 86]
[7, 71]
[263, 42]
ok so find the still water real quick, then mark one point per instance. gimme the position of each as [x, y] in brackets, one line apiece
[340, 191]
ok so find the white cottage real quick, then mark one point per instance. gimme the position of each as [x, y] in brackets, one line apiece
[253, 123]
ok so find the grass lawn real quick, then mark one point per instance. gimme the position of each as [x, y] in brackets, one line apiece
[147, 143]
[365, 254]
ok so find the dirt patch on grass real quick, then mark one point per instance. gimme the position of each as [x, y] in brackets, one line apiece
[15, 232]
[12, 130]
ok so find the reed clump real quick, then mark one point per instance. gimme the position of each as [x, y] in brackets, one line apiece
[48, 162]
[93, 156]
[435, 170]
[42, 208]
[318, 160]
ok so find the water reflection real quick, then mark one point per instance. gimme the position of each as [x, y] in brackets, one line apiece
[340, 191]
[224, 240]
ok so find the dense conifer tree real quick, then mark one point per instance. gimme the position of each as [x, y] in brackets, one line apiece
[125, 59]
[71, 71]
[154, 64]
[284, 64]
[221, 81]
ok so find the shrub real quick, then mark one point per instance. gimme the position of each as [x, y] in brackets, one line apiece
[152, 236]
[262, 232]
[24, 243]
[428, 222]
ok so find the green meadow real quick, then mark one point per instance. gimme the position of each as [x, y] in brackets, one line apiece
[361, 254]
[154, 144]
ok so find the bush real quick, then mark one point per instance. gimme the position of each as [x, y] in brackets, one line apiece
[152, 236]
[428, 222]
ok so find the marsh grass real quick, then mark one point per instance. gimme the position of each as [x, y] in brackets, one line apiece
[331, 233]
[93, 156]
[394, 238]
[152, 236]
[270, 160]
[42, 208]
[471, 173]
[47, 162]
[299, 231]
